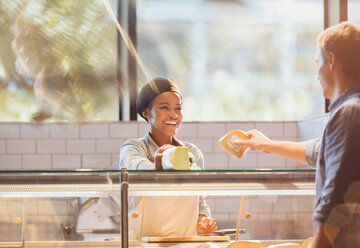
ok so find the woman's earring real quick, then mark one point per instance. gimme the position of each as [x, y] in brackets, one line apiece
[146, 114]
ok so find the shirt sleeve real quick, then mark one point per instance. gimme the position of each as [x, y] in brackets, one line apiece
[342, 159]
[312, 151]
[131, 154]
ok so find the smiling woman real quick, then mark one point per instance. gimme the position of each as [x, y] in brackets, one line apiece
[160, 104]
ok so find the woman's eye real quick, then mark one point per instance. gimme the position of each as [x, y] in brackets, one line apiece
[164, 107]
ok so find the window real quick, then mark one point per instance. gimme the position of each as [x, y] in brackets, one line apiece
[353, 11]
[57, 61]
[235, 60]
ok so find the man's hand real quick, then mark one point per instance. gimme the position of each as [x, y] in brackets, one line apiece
[206, 225]
[257, 141]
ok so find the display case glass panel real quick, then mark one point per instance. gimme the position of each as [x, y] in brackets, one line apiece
[83, 208]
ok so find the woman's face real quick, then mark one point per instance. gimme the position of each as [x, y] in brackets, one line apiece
[165, 114]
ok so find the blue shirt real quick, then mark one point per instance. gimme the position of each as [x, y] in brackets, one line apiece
[338, 170]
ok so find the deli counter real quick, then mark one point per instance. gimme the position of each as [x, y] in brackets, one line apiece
[83, 208]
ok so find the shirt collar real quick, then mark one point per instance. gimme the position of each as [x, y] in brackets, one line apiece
[150, 142]
[346, 95]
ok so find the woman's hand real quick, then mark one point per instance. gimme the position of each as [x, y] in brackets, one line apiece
[257, 141]
[158, 156]
[206, 225]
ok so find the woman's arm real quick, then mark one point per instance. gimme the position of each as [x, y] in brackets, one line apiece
[133, 156]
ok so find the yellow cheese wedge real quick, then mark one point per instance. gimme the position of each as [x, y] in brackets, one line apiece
[227, 143]
[176, 158]
[245, 244]
[285, 245]
[307, 243]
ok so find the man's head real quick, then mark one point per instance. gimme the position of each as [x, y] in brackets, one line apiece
[338, 49]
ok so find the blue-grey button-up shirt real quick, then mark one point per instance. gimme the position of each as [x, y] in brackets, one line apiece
[338, 166]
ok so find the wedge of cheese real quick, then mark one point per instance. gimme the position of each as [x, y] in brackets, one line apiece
[227, 143]
[176, 158]
[307, 243]
[285, 245]
[245, 244]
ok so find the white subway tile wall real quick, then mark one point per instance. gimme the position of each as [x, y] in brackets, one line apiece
[187, 130]
[37, 162]
[273, 130]
[204, 144]
[271, 161]
[67, 161]
[104, 140]
[97, 145]
[124, 130]
[35, 131]
[248, 161]
[94, 131]
[21, 146]
[64, 131]
[10, 162]
[2, 146]
[244, 126]
[210, 130]
[50, 146]
[96, 161]
[9, 131]
[109, 145]
[80, 146]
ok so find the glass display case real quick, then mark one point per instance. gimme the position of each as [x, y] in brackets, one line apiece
[82, 208]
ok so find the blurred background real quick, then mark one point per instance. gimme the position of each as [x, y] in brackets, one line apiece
[234, 60]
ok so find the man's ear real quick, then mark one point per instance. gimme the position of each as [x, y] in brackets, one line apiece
[332, 59]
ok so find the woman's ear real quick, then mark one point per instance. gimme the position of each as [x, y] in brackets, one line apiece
[147, 113]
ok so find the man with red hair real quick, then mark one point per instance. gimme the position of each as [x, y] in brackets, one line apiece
[336, 213]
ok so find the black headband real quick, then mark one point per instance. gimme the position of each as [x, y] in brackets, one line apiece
[152, 89]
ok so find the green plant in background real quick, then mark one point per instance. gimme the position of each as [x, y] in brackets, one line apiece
[57, 61]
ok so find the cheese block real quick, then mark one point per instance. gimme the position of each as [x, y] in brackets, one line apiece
[307, 243]
[227, 143]
[245, 244]
[176, 158]
[285, 245]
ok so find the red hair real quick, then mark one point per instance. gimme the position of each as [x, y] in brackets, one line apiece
[344, 41]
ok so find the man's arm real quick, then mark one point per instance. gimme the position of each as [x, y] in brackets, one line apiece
[258, 141]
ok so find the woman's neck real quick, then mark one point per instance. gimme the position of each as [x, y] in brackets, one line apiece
[161, 140]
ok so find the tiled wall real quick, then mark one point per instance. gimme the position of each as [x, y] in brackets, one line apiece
[26, 146]
[96, 145]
